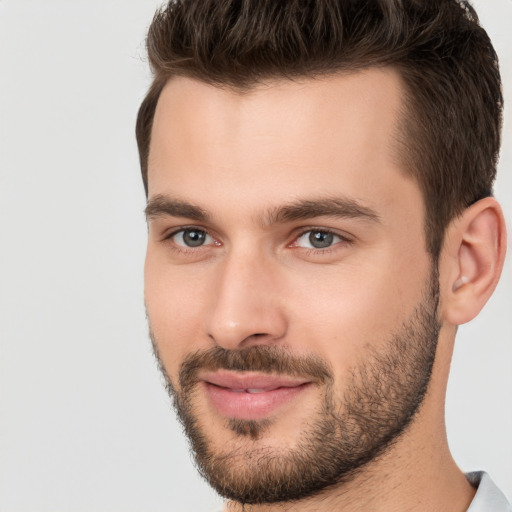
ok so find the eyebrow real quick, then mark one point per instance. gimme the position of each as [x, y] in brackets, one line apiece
[325, 207]
[160, 205]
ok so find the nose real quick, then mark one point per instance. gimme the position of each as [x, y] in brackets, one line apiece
[247, 306]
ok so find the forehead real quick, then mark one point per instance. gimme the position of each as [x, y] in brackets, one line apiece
[278, 141]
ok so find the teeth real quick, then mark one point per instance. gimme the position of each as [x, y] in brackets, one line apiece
[251, 390]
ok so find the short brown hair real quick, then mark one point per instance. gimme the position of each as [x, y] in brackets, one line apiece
[450, 133]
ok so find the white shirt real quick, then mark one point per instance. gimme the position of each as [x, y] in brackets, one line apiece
[488, 497]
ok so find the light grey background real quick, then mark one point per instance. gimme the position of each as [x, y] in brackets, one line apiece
[84, 422]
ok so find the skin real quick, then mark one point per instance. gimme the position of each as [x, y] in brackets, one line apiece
[238, 156]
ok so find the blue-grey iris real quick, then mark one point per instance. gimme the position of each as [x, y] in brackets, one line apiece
[320, 239]
[193, 238]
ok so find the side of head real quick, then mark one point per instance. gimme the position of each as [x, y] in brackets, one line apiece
[450, 131]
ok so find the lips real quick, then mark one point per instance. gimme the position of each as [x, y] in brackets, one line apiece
[251, 396]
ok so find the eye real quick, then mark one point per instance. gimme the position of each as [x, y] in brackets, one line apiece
[317, 239]
[191, 238]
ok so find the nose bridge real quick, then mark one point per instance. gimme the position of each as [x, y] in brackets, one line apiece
[247, 307]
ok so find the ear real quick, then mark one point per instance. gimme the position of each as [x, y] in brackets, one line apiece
[471, 261]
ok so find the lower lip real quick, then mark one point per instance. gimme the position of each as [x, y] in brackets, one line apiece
[251, 406]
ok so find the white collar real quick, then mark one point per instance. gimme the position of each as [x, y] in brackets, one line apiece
[488, 497]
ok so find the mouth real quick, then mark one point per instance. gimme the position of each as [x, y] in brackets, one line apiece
[251, 396]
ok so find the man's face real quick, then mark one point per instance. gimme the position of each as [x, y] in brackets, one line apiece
[291, 300]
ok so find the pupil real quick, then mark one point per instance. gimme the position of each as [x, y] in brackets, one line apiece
[320, 239]
[193, 238]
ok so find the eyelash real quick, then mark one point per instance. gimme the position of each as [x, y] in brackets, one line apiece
[345, 240]
[181, 249]
[311, 251]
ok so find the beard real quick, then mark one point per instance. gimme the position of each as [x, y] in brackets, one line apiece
[382, 396]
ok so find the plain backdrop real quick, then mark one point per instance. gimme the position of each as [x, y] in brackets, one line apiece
[85, 424]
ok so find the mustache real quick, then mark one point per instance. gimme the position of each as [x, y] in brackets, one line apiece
[258, 358]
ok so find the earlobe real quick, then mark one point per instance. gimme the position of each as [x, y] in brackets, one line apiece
[472, 260]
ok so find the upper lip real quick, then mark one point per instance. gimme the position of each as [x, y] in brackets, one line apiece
[251, 380]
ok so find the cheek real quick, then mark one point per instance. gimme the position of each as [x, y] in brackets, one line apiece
[356, 306]
[174, 305]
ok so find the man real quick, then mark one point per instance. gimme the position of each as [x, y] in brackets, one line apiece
[319, 180]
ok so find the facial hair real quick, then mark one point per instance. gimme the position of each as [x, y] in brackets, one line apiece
[384, 392]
